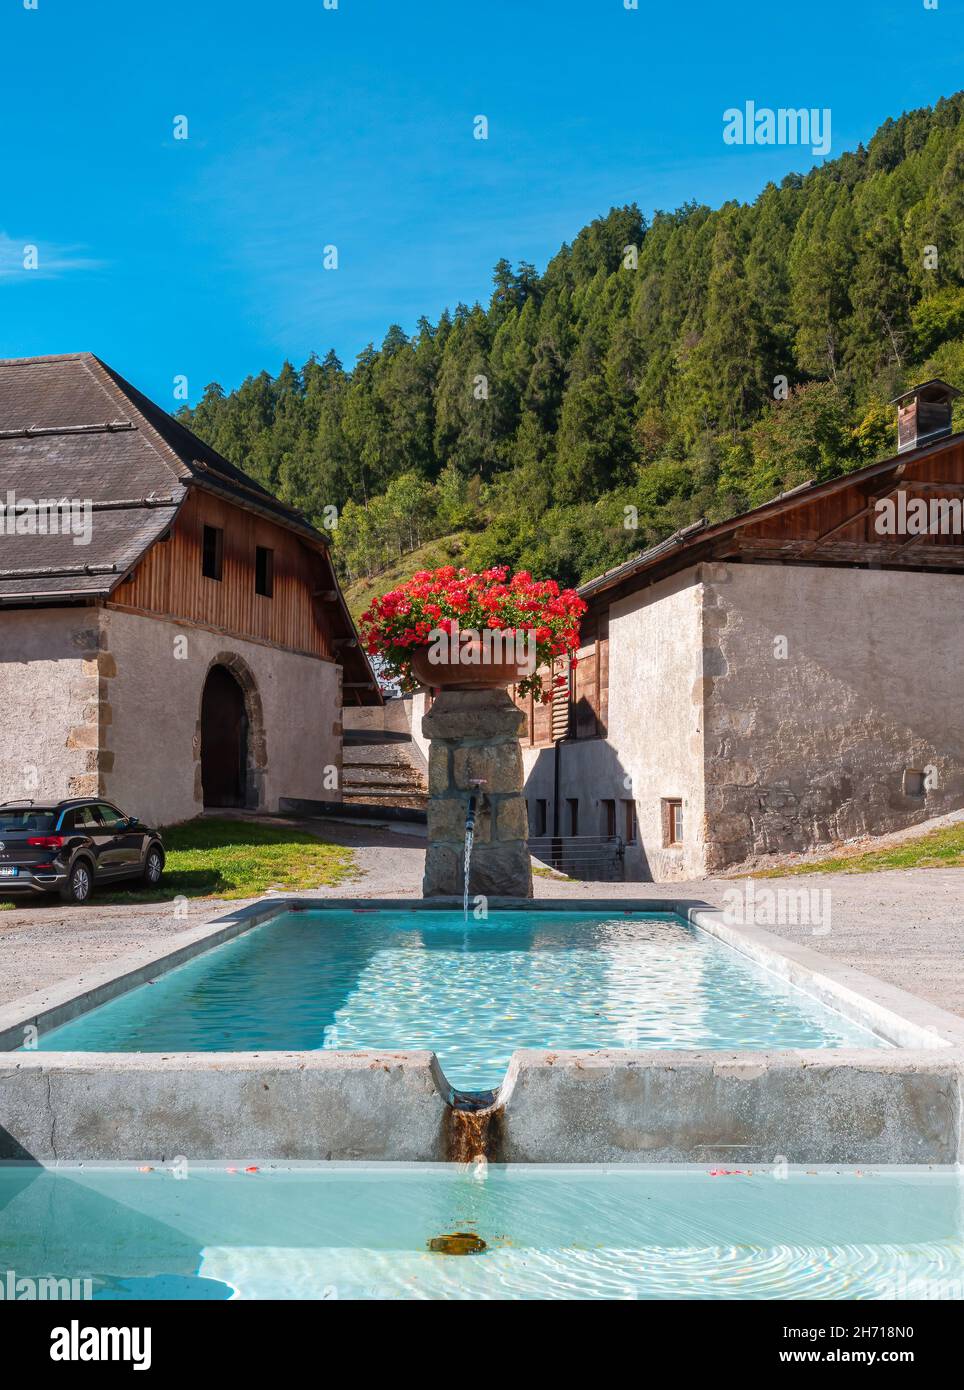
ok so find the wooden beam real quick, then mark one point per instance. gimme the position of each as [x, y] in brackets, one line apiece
[875, 497]
[855, 552]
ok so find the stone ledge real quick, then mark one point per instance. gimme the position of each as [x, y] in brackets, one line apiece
[300, 1105]
[740, 1108]
[844, 1106]
[463, 715]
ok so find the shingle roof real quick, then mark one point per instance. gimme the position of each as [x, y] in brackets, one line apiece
[71, 426]
[67, 432]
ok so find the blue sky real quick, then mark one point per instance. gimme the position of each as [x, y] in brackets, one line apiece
[354, 127]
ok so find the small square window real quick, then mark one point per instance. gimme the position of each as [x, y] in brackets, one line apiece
[263, 571]
[672, 822]
[212, 552]
[913, 783]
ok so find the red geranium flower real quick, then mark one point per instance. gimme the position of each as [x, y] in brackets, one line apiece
[433, 602]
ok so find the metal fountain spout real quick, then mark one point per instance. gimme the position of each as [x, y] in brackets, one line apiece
[477, 782]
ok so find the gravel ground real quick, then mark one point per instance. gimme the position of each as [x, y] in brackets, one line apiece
[905, 926]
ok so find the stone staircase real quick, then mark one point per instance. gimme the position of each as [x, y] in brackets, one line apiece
[383, 769]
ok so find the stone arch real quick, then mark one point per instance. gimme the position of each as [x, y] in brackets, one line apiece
[256, 748]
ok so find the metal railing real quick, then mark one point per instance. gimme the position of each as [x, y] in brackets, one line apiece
[593, 858]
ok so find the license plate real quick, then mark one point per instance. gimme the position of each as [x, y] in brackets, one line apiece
[6, 871]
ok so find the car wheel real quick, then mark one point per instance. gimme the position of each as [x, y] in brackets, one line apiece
[80, 883]
[153, 866]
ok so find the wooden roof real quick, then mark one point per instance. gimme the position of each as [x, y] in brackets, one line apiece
[71, 427]
[829, 523]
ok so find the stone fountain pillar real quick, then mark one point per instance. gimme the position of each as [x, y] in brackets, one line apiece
[475, 738]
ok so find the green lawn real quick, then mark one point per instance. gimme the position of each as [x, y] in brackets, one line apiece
[209, 858]
[940, 849]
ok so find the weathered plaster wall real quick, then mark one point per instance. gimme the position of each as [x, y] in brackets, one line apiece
[152, 698]
[417, 701]
[51, 735]
[394, 717]
[813, 746]
[654, 748]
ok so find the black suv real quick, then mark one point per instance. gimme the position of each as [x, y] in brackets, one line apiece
[68, 847]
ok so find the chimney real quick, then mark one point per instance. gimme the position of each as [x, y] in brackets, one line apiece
[924, 414]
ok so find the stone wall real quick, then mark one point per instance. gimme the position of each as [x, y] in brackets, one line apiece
[51, 734]
[654, 748]
[475, 751]
[158, 670]
[771, 752]
[99, 702]
[824, 689]
[418, 714]
[393, 717]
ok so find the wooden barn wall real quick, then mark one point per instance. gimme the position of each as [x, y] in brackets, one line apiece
[581, 709]
[811, 519]
[169, 581]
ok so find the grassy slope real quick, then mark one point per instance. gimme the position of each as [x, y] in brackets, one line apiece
[940, 849]
[431, 555]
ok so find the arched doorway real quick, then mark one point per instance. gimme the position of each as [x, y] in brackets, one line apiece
[224, 740]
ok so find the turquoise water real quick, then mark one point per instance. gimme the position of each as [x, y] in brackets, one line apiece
[363, 1232]
[356, 979]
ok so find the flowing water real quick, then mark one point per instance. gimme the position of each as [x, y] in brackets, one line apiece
[467, 862]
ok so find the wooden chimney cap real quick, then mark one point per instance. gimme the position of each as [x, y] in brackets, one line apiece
[933, 390]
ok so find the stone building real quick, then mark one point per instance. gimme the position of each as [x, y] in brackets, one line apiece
[778, 681]
[172, 637]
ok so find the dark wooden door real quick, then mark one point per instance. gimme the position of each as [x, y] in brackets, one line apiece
[224, 739]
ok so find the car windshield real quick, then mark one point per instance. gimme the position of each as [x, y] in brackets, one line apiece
[26, 818]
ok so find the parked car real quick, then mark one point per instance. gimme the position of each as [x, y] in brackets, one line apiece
[70, 847]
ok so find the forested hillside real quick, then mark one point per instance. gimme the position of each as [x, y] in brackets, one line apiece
[643, 368]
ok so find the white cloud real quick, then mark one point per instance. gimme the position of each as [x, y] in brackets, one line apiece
[51, 260]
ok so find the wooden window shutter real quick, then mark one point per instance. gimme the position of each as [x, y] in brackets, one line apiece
[584, 696]
[561, 699]
[602, 674]
[541, 725]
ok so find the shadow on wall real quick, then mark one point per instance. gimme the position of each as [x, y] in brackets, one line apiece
[590, 774]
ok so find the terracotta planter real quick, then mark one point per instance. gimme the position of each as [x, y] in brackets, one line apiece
[466, 675]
